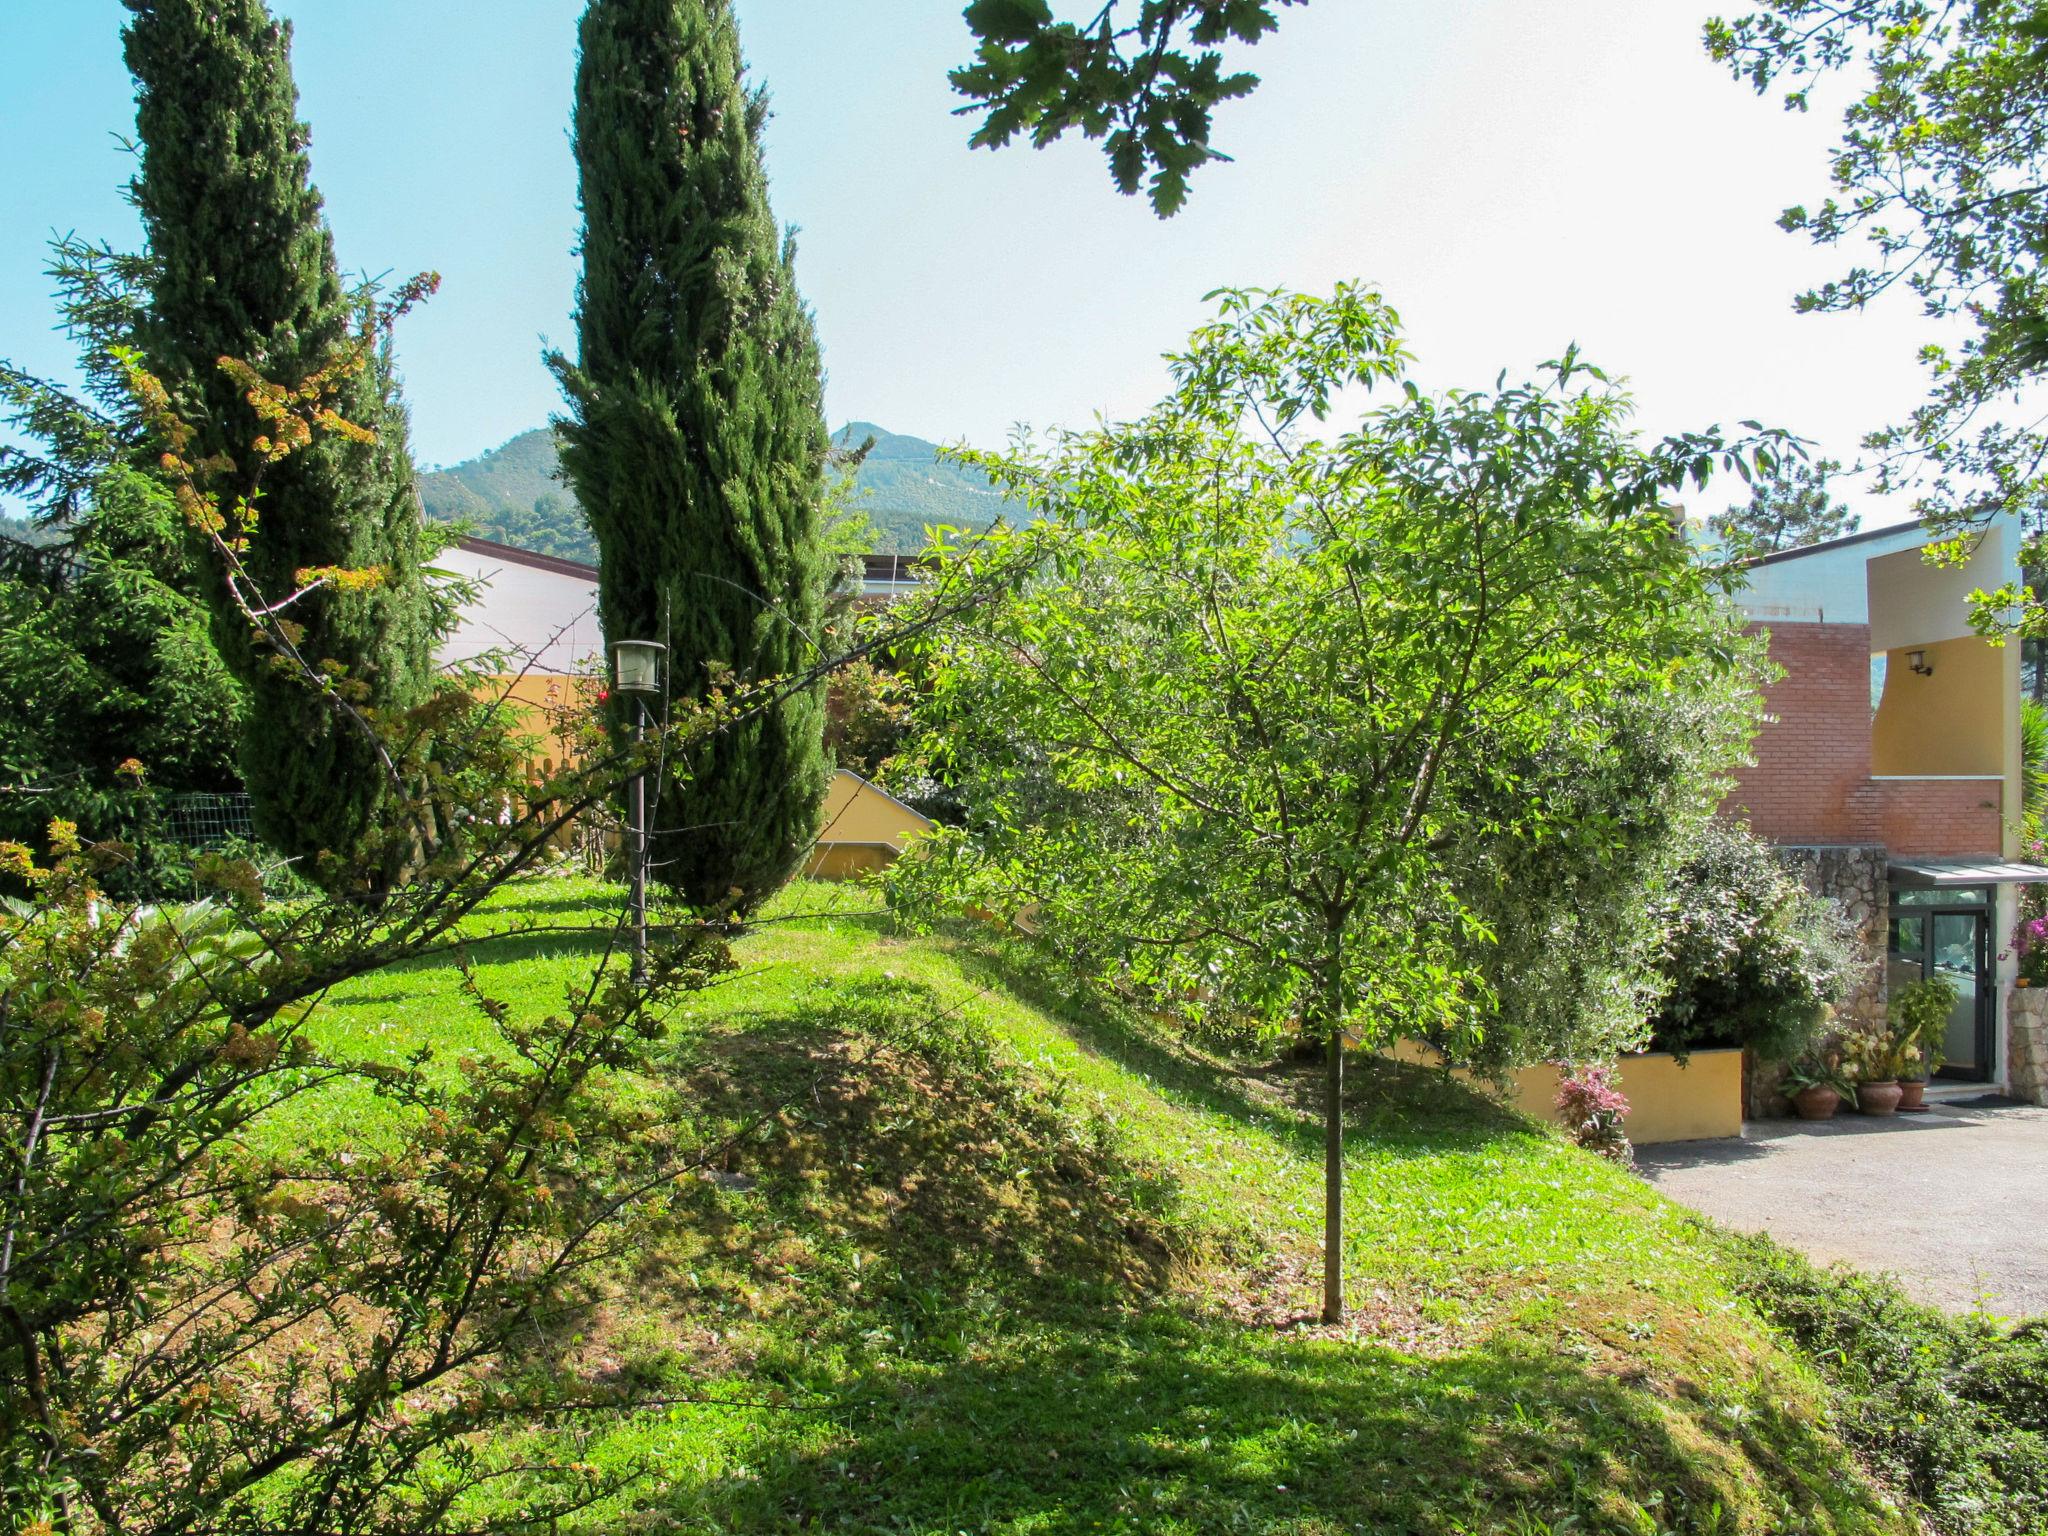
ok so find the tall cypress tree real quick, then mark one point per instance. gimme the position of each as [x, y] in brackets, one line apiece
[696, 438]
[244, 267]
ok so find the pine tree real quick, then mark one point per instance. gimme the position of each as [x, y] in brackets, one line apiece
[1794, 507]
[696, 438]
[244, 267]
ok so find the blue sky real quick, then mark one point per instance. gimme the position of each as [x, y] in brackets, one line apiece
[1515, 174]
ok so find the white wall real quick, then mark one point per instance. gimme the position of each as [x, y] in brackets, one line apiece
[549, 617]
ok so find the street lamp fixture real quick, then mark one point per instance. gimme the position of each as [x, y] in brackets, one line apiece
[636, 665]
[636, 669]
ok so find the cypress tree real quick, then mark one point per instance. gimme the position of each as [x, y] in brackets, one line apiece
[695, 437]
[243, 266]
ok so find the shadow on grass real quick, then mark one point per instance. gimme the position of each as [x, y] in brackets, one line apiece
[1166, 1423]
[1386, 1103]
[926, 1164]
[973, 1287]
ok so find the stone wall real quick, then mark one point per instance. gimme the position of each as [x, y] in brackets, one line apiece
[2026, 1050]
[1857, 878]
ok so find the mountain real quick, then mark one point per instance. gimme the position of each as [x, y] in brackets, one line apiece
[512, 494]
[904, 486]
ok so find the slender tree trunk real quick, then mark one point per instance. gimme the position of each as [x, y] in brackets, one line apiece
[1333, 1177]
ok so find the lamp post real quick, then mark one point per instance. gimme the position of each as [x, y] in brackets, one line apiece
[636, 669]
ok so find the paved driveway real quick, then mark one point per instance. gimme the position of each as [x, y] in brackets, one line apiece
[1954, 1202]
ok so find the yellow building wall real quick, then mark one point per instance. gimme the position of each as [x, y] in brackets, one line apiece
[1949, 722]
[861, 830]
[1699, 1101]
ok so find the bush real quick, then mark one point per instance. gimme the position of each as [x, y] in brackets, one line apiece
[1753, 959]
[1951, 1410]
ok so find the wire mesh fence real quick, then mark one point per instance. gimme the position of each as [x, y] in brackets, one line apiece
[209, 820]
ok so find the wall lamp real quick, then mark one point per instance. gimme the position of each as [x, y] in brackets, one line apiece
[1917, 660]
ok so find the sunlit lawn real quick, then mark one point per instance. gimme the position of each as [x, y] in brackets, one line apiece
[1014, 1261]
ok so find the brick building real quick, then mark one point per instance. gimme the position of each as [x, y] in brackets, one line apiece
[1888, 768]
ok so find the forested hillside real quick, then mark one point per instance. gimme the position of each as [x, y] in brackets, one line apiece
[511, 494]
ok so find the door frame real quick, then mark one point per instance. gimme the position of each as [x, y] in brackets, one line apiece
[1984, 909]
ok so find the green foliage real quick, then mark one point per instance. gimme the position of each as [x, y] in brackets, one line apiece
[241, 266]
[1569, 933]
[1948, 1410]
[1751, 958]
[1819, 1071]
[1145, 84]
[115, 693]
[1240, 684]
[1942, 170]
[694, 439]
[867, 716]
[213, 1324]
[1919, 1013]
[1790, 507]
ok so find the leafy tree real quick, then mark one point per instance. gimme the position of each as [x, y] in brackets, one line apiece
[1248, 682]
[1942, 169]
[1569, 939]
[695, 439]
[1790, 507]
[242, 272]
[1143, 80]
[114, 681]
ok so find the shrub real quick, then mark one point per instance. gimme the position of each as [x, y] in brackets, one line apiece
[1951, 1410]
[1593, 1108]
[1753, 959]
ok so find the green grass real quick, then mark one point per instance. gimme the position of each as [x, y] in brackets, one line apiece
[1010, 1259]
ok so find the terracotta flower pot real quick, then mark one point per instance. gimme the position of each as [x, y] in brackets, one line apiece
[1817, 1103]
[1879, 1098]
[1913, 1094]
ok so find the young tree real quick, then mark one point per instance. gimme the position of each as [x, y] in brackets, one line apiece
[695, 439]
[1790, 507]
[242, 268]
[1942, 169]
[1248, 681]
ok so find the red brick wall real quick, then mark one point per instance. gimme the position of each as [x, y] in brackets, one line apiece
[1938, 817]
[1811, 779]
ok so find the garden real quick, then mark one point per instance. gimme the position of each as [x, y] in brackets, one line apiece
[490, 1138]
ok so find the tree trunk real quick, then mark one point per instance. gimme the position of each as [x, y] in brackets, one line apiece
[1333, 1178]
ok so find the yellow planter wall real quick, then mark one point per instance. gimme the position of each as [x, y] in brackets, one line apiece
[1666, 1102]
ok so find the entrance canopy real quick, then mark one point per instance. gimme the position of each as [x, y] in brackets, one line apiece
[1924, 874]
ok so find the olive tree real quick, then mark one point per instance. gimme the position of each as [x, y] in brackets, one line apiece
[1214, 726]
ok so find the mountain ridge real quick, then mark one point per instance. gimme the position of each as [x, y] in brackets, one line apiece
[514, 493]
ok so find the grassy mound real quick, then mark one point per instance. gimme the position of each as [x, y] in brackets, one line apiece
[993, 1256]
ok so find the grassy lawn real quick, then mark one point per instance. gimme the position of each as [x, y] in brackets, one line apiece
[1009, 1260]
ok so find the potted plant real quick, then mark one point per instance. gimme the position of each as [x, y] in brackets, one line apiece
[1920, 1012]
[1879, 1059]
[1817, 1085]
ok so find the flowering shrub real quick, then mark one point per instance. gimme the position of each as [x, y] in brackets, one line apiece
[1592, 1109]
[2030, 942]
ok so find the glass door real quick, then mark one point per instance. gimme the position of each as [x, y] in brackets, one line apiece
[1957, 942]
[1955, 945]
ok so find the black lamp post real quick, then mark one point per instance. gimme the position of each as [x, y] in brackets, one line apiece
[636, 669]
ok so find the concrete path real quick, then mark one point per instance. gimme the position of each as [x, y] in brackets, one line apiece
[1954, 1202]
